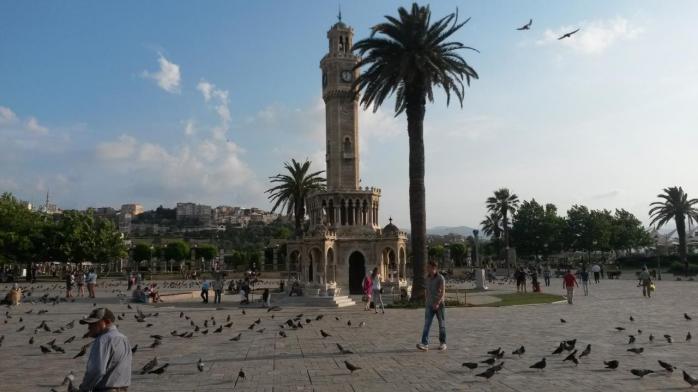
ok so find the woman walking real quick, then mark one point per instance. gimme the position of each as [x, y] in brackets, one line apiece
[585, 280]
[367, 286]
[80, 280]
[376, 288]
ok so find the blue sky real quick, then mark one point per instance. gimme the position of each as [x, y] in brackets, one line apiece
[158, 102]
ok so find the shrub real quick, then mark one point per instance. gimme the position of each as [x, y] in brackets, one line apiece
[678, 268]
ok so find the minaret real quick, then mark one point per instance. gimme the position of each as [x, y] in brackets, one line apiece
[341, 109]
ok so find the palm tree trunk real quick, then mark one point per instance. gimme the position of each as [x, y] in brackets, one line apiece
[298, 220]
[505, 226]
[418, 216]
[681, 231]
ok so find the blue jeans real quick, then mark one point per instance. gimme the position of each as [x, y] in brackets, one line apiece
[429, 314]
[217, 298]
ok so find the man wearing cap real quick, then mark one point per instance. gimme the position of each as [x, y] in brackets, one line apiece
[109, 364]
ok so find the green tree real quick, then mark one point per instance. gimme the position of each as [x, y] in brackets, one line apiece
[588, 230]
[628, 232]
[436, 252]
[141, 252]
[528, 228]
[458, 252]
[293, 188]
[492, 228]
[21, 231]
[675, 205]
[409, 58]
[208, 252]
[177, 251]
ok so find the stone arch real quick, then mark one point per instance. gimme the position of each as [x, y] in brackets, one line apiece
[294, 261]
[402, 258]
[357, 271]
[316, 265]
[331, 265]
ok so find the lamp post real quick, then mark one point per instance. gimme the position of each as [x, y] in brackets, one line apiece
[477, 251]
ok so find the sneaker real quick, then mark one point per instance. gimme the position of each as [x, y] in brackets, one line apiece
[442, 347]
[422, 347]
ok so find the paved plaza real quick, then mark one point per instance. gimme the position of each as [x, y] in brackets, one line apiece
[384, 348]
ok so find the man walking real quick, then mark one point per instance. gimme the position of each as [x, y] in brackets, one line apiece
[597, 272]
[109, 364]
[568, 282]
[435, 287]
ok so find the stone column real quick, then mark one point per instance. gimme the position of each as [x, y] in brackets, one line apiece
[275, 257]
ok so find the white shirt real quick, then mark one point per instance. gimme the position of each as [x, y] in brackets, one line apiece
[595, 268]
[377, 282]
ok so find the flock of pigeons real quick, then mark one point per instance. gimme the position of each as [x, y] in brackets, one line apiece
[188, 329]
[527, 26]
[568, 348]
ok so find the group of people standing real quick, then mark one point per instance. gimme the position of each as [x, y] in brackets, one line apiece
[81, 279]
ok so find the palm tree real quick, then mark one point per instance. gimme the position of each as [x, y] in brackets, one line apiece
[293, 188]
[410, 58]
[503, 203]
[491, 225]
[676, 206]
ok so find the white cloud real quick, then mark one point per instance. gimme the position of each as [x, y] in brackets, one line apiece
[33, 126]
[190, 128]
[123, 148]
[168, 77]
[210, 91]
[593, 37]
[7, 116]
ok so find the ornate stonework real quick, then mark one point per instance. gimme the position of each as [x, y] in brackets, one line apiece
[345, 239]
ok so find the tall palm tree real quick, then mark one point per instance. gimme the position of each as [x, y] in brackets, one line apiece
[676, 206]
[408, 59]
[503, 203]
[293, 188]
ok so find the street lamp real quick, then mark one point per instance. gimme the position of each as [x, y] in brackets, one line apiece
[477, 251]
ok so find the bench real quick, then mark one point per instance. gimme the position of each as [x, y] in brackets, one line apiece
[612, 272]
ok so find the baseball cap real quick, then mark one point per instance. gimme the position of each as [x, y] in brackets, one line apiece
[98, 314]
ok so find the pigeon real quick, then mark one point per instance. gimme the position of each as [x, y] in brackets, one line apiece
[688, 336]
[495, 352]
[229, 325]
[44, 349]
[470, 365]
[687, 317]
[31, 340]
[362, 324]
[218, 330]
[489, 361]
[539, 365]
[343, 350]
[487, 373]
[251, 326]
[236, 338]
[641, 372]
[204, 332]
[158, 337]
[135, 348]
[155, 343]
[639, 332]
[519, 351]
[668, 338]
[69, 378]
[559, 348]
[613, 364]
[241, 375]
[569, 344]
[82, 352]
[563, 321]
[586, 351]
[636, 350]
[348, 323]
[319, 317]
[497, 367]
[21, 329]
[572, 358]
[568, 35]
[631, 318]
[651, 338]
[283, 334]
[200, 365]
[129, 306]
[243, 312]
[181, 314]
[228, 318]
[667, 366]
[205, 323]
[620, 329]
[69, 340]
[527, 26]
[324, 334]
[159, 370]
[352, 368]
[690, 380]
[631, 339]
[261, 330]
[150, 365]
[258, 321]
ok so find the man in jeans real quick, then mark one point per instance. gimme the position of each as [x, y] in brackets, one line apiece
[435, 287]
[568, 282]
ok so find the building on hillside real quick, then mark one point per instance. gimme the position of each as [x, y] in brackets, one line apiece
[345, 239]
[133, 209]
[192, 212]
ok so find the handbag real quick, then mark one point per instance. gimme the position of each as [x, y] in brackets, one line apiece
[652, 286]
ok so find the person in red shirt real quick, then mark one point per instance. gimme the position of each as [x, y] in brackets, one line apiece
[568, 282]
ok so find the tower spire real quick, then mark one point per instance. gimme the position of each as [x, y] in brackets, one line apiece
[339, 14]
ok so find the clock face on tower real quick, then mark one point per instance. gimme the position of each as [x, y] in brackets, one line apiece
[347, 76]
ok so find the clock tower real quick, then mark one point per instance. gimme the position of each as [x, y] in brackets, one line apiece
[341, 110]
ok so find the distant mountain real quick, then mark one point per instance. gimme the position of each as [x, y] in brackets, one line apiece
[445, 230]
